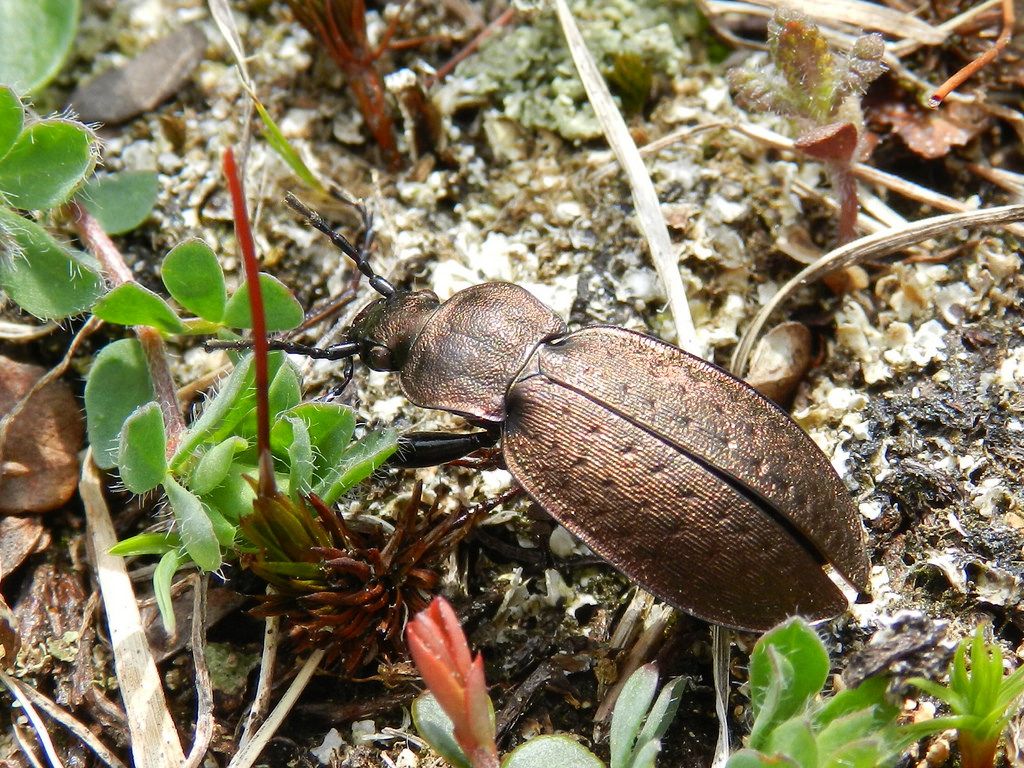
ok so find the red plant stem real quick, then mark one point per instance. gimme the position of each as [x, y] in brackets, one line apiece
[447, 68]
[260, 343]
[117, 272]
[845, 186]
[1009, 18]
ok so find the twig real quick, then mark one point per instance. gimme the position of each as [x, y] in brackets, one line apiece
[75, 726]
[446, 69]
[23, 744]
[1001, 42]
[118, 273]
[864, 249]
[154, 740]
[33, 717]
[261, 701]
[247, 755]
[204, 690]
[648, 209]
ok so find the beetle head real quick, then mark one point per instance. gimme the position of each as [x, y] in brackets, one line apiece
[386, 328]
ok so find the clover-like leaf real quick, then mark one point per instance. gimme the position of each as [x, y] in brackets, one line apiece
[47, 163]
[437, 728]
[282, 310]
[40, 275]
[163, 575]
[118, 383]
[147, 544]
[795, 740]
[12, 117]
[630, 713]
[132, 304]
[550, 751]
[194, 525]
[121, 201]
[37, 36]
[356, 464]
[330, 427]
[142, 449]
[215, 464]
[194, 278]
[788, 667]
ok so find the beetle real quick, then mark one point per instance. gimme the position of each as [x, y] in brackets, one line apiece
[680, 475]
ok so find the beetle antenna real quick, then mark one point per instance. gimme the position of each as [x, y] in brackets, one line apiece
[358, 255]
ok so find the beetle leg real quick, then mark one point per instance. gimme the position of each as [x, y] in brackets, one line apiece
[343, 351]
[428, 449]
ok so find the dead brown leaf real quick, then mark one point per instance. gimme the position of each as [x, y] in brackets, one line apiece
[39, 457]
[931, 133]
[19, 538]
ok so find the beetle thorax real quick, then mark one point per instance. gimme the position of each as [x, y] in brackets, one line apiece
[468, 352]
[387, 328]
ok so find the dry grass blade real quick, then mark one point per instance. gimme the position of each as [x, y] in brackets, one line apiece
[864, 249]
[220, 10]
[721, 638]
[648, 209]
[155, 741]
[247, 755]
[871, 17]
[77, 727]
[22, 333]
[204, 689]
[33, 717]
[264, 685]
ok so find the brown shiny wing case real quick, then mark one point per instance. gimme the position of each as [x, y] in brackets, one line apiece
[684, 478]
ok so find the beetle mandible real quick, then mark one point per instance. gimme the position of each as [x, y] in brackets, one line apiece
[683, 477]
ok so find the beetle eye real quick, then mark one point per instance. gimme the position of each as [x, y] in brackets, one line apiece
[379, 358]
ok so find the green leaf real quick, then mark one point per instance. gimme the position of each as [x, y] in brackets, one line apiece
[195, 280]
[300, 458]
[870, 693]
[12, 117]
[233, 498]
[147, 544]
[163, 576]
[551, 751]
[788, 667]
[330, 427]
[285, 392]
[630, 712]
[748, 758]
[436, 727]
[235, 398]
[40, 275]
[131, 304]
[197, 534]
[213, 467]
[121, 201]
[645, 754]
[47, 163]
[845, 730]
[284, 149]
[142, 453]
[795, 740]
[118, 383]
[37, 36]
[282, 310]
[362, 458]
[660, 717]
